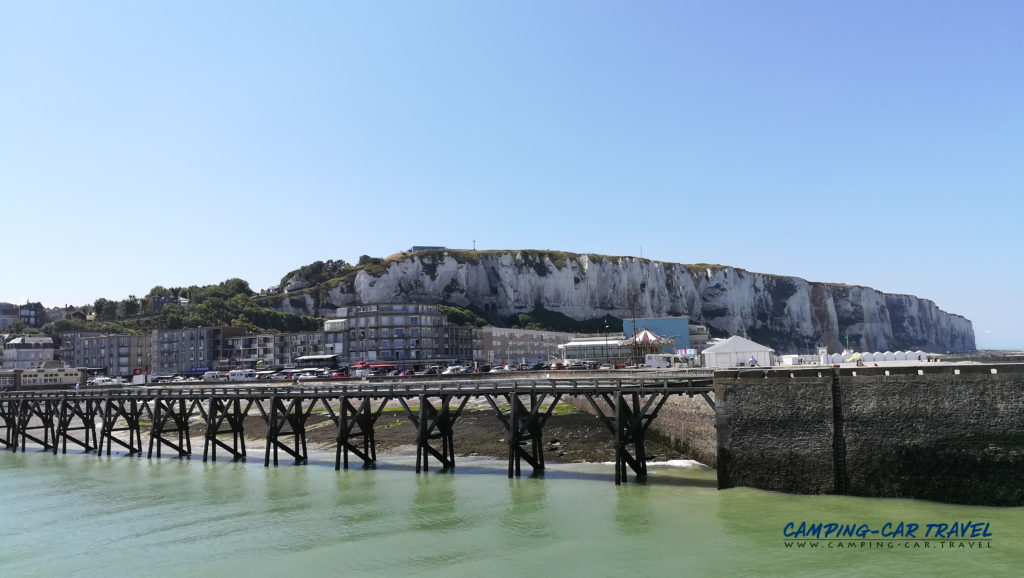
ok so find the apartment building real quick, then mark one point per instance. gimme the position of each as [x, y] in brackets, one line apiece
[33, 315]
[461, 343]
[117, 355]
[270, 350]
[72, 348]
[193, 350]
[400, 332]
[28, 352]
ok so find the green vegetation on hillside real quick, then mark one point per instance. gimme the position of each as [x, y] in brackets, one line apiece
[230, 303]
[460, 316]
[545, 320]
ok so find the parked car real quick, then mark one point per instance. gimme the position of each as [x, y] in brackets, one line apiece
[556, 367]
[604, 366]
[407, 373]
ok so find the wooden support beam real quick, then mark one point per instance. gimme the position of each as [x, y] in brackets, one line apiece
[9, 423]
[434, 423]
[171, 416]
[525, 424]
[286, 419]
[111, 410]
[633, 416]
[85, 410]
[230, 412]
[36, 417]
[356, 424]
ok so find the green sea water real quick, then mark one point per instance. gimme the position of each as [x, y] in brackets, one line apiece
[82, 515]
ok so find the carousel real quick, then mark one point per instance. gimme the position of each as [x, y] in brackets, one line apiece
[646, 341]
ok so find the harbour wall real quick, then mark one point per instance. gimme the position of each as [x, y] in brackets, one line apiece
[948, 433]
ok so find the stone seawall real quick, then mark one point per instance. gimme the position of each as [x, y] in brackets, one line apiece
[949, 433]
[687, 424]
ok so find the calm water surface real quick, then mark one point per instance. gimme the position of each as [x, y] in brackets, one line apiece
[79, 515]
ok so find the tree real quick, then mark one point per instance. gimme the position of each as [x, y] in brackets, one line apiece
[130, 306]
[101, 307]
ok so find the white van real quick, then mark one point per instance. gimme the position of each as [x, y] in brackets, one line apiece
[242, 375]
[213, 376]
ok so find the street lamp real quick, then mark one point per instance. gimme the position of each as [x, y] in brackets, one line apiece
[606, 339]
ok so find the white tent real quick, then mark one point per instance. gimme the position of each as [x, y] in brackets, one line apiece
[737, 351]
[888, 356]
[900, 356]
[920, 355]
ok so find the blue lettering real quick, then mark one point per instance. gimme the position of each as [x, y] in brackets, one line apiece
[863, 530]
[786, 530]
[815, 530]
[954, 530]
[902, 530]
[830, 529]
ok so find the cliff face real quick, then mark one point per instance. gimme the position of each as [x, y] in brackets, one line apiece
[786, 313]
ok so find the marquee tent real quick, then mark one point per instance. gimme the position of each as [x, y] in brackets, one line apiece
[737, 351]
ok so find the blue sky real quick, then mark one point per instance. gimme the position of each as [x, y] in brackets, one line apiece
[178, 143]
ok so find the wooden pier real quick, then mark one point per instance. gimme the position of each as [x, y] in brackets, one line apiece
[54, 418]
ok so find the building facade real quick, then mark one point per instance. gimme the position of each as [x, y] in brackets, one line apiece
[194, 350]
[406, 334]
[510, 346]
[33, 315]
[119, 355]
[269, 350]
[9, 313]
[72, 348]
[608, 348]
[28, 352]
[398, 332]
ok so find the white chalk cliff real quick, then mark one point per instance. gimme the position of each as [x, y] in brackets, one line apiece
[787, 313]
